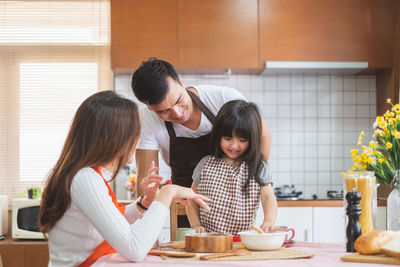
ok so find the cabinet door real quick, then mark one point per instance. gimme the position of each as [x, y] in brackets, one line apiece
[298, 218]
[329, 224]
[218, 34]
[143, 29]
[329, 30]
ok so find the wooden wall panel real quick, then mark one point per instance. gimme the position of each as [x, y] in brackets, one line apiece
[329, 30]
[387, 81]
[143, 29]
[218, 34]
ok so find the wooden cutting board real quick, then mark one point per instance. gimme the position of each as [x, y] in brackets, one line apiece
[282, 253]
[380, 258]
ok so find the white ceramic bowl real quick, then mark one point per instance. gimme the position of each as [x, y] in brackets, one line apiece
[268, 241]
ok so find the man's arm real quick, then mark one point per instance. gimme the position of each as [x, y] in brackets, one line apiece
[265, 140]
[143, 164]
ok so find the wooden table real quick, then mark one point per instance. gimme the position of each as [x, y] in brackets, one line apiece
[326, 255]
[19, 253]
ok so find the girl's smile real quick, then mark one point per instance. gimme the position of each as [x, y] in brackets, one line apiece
[233, 147]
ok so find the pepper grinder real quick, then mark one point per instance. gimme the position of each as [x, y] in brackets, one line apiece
[353, 211]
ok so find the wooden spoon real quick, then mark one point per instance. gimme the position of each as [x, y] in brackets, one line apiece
[174, 244]
[233, 252]
[257, 229]
[172, 254]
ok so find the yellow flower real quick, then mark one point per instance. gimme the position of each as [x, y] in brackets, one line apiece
[369, 160]
[354, 152]
[380, 160]
[372, 144]
[370, 151]
[363, 167]
[391, 121]
[364, 148]
[389, 145]
[375, 152]
[397, 135]
[376, 132]
[343, 174]
[356, 165]
[389, 100]
[362, 133]
[379, 119]
[359, 143]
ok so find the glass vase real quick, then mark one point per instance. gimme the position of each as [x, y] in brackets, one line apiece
[363, 182]
[393, 205]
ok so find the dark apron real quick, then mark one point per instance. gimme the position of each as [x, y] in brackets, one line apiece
[185, 153]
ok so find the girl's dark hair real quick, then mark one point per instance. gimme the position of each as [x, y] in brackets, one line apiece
[242, 119]
[105, 127]
[149, 81]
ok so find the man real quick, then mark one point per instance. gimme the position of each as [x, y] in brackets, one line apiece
[177, 120]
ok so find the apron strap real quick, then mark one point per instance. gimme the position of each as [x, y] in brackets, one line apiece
[202, 107]
[104, 248]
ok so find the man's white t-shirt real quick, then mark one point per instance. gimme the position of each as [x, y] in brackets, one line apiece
[154, 134]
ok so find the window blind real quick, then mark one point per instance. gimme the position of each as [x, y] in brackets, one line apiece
[50, 93]
[55, 22]
[44, 77]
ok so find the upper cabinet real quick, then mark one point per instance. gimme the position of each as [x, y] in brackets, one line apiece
[243, 34]
[218, 34]
[142, 29]
[329, 30]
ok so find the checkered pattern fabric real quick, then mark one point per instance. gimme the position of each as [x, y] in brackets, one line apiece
[231, 209]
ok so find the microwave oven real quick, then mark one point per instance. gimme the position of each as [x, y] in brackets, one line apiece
[25, 219]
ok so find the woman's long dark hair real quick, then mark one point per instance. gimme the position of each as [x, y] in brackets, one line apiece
[105, 127]
[242, 119]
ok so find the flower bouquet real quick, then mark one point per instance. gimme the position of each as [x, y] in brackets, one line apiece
[380, 157]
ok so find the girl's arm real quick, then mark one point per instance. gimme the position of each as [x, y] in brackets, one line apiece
[269, 205]
[192, 212]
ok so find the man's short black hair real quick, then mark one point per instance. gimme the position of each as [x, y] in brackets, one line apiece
[149, 81]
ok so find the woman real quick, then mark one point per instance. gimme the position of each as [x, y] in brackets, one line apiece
[79, 211]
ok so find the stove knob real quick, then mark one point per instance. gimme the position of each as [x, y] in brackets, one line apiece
[314, 196]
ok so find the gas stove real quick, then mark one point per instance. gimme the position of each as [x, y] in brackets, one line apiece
[287, 192]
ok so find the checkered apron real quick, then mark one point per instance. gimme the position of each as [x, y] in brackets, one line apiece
[231, 209]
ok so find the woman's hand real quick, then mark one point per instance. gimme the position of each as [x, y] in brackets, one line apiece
[150, 185]
[200, 229]
[181, 195]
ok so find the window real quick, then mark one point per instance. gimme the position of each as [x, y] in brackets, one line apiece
[50, 93]
[53, 55]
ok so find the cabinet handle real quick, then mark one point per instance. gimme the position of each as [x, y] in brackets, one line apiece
[307, 235]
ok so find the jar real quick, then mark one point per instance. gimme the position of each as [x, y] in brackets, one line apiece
[363, 182]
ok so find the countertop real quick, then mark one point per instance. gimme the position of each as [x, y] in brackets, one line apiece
[317, 203]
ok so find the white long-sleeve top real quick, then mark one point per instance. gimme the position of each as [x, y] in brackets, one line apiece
[92, 218]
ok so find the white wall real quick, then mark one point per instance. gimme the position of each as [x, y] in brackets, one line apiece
[314, 120]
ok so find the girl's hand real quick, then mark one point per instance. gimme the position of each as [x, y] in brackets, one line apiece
[267, 226]
[200, 229]
[150, 184]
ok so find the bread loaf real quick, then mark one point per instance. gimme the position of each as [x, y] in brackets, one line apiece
[371, 243]
[392, 248]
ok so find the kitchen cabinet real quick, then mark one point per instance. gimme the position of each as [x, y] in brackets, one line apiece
[143, 29]
[17, 253]
[329, 224]
[218, 34]
[330, 30]
[298, 218]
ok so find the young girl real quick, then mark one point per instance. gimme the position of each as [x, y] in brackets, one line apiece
[235, 176]
[79, 211]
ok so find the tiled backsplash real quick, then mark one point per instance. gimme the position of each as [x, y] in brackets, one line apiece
[314, 120]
